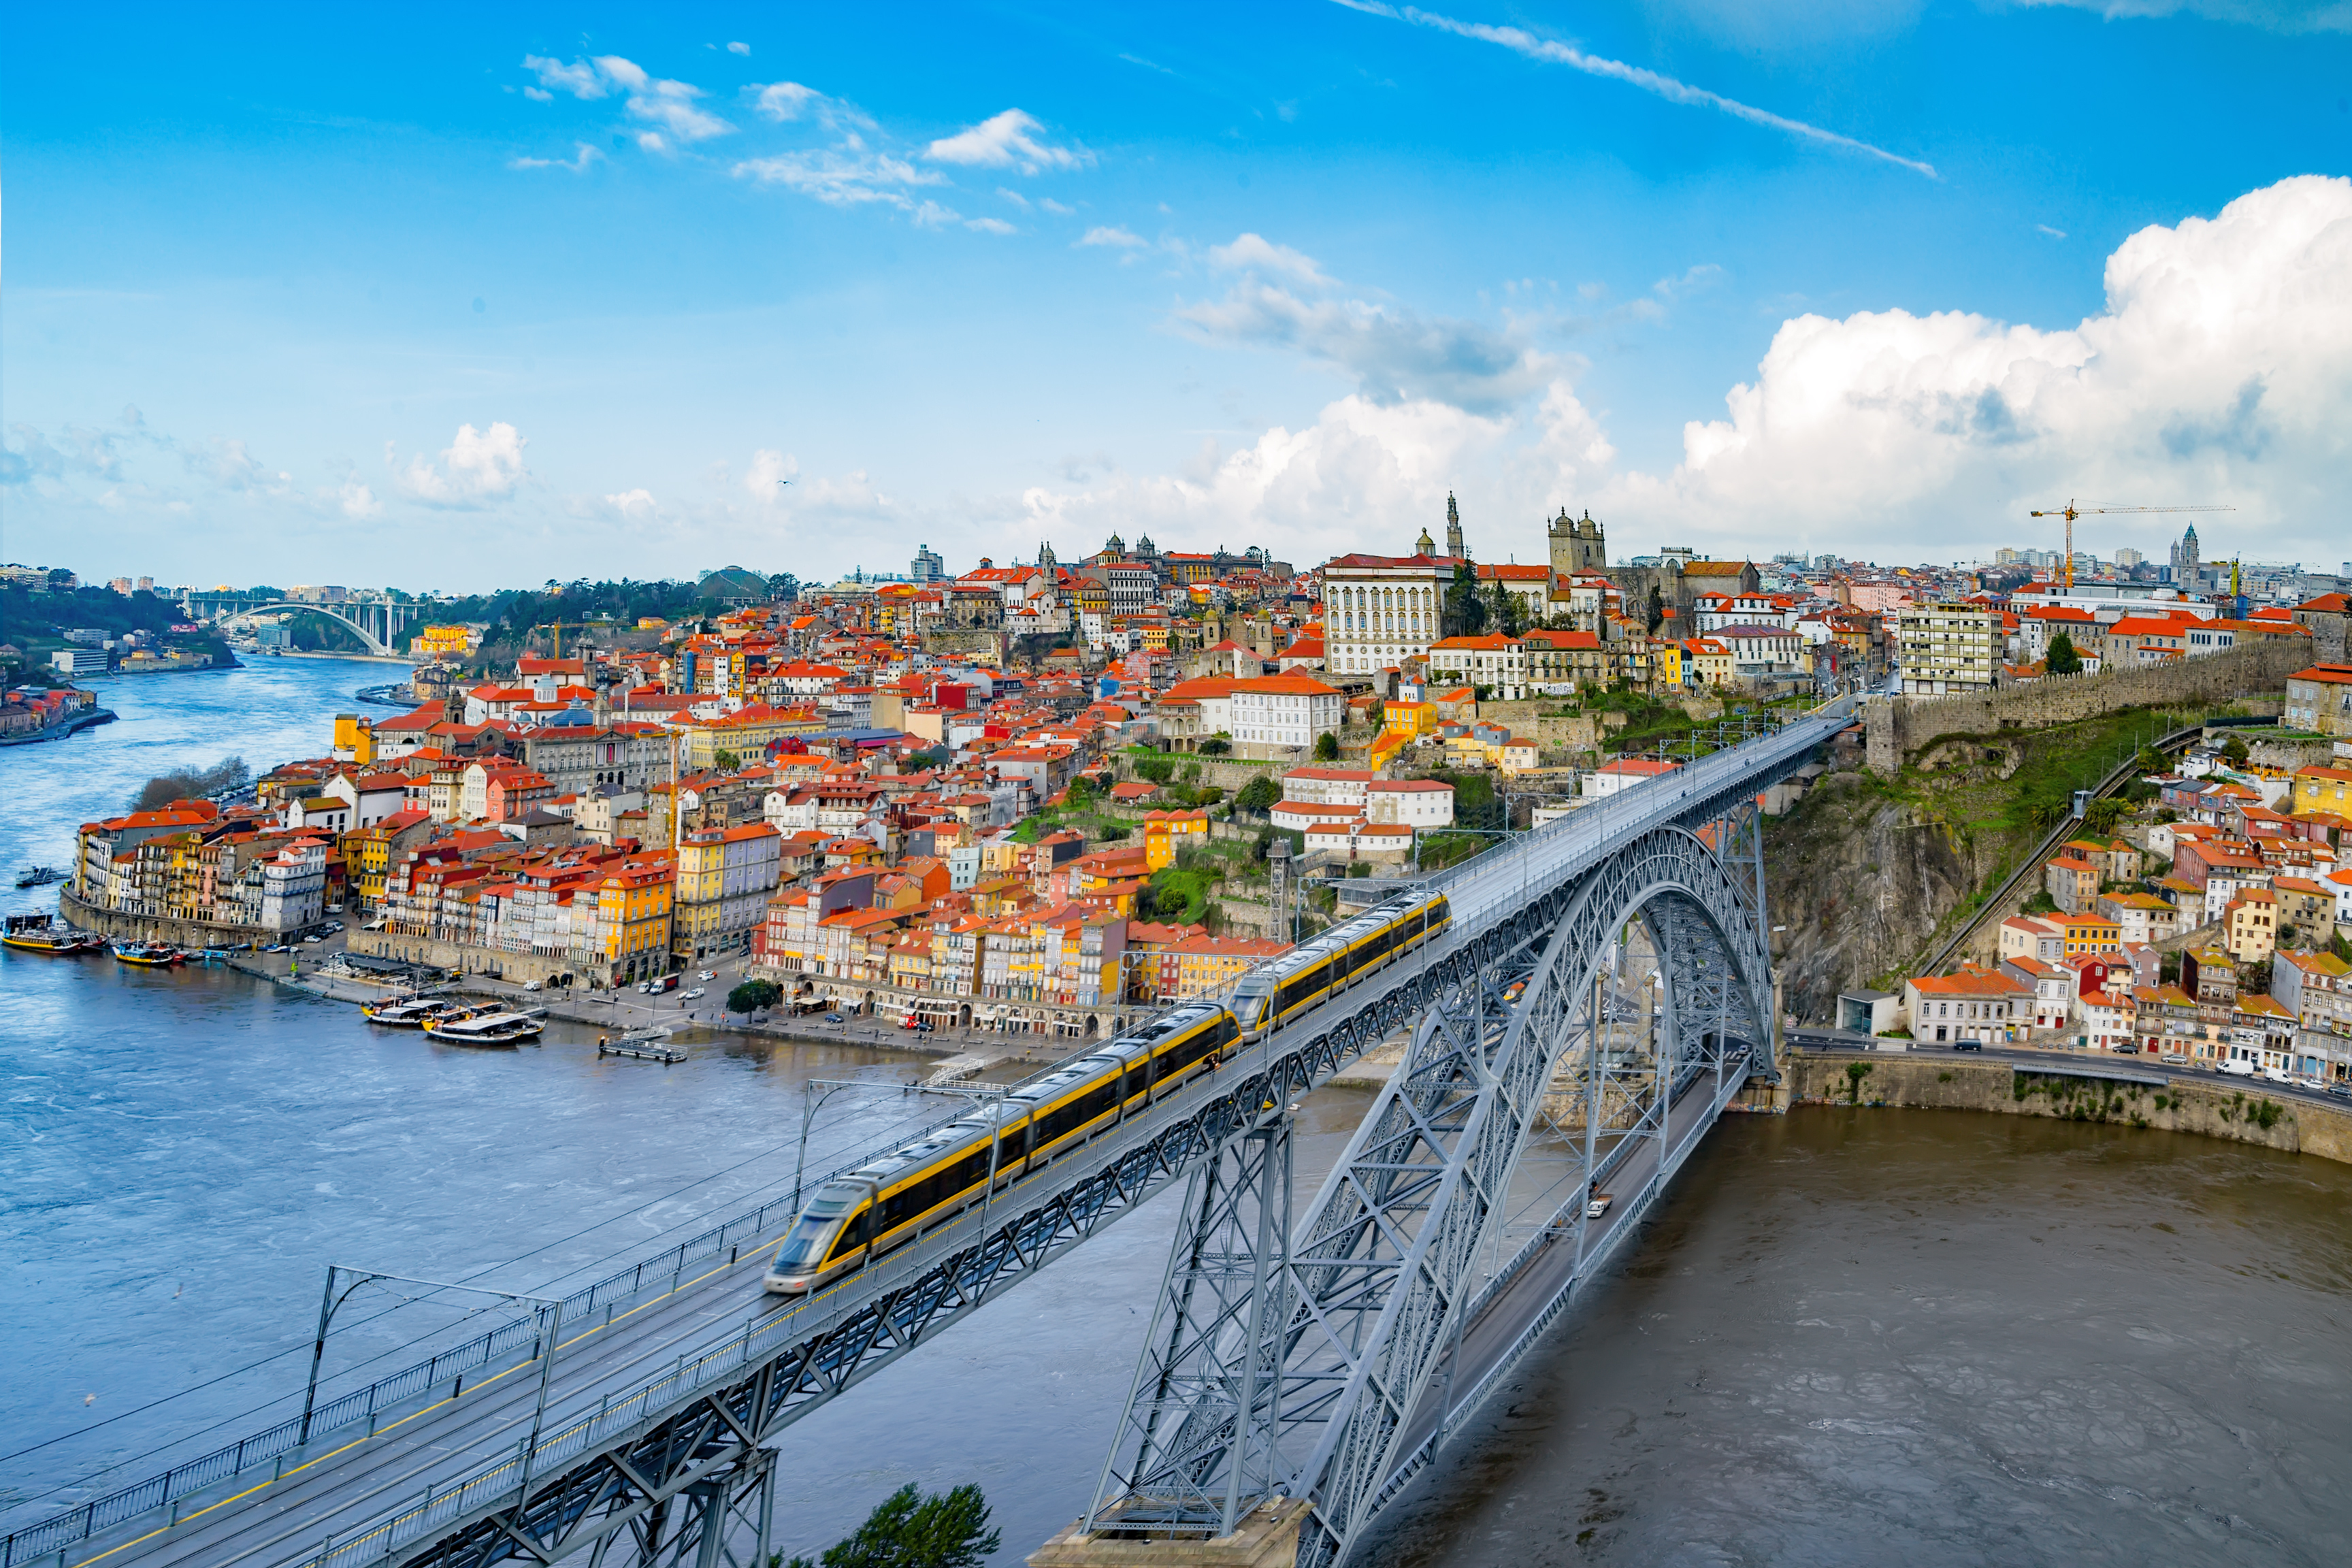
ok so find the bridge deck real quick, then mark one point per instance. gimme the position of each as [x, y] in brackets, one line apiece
[351, 1478]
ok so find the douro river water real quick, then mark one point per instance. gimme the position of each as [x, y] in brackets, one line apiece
[1850, 1336]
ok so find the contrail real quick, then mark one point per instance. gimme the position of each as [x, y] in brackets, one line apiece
[1520, 41]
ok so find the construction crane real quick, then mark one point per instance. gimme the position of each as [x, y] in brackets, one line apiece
[559, 628]
[2070, 512]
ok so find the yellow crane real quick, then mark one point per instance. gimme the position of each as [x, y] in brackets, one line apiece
[2070, 512]
[559, 628]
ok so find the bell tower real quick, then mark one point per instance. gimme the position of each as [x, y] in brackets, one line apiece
[1454, 545]
[1577, 544]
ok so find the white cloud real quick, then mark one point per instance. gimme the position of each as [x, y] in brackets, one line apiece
[769, 476]
[2052, 233]
[785, 100]
[1006, 141]
[356, 501]
[931, 214]
[662, 102]
[2219, 371]
[1521, 42]
[579, 78]
[1253, 253]
[478, 466]
[1394, 355]
[632, 505]
[1015, 197]
[1364, 475]
[577, 164]
[1051, 206]
[839, 178]
[738, 48]
[651, 140]
[2290, 16]
[989, 225]
[1116, 239]
[538, 95]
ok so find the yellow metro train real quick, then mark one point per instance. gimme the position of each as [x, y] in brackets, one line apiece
[857, 1218]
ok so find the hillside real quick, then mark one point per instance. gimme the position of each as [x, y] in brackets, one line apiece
[1867, 870]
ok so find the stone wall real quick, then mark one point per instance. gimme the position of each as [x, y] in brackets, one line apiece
[151, 928]
[1945, 1082]
[978, 644]
[1897, 727]
[493, 962]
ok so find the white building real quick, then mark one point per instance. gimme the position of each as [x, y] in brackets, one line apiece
[1614, 777]
[1410, 803]
[1950, 648]
[1327, 786]
[294, 887]
[1380, 610]
[1273, 714]
[1494, 661]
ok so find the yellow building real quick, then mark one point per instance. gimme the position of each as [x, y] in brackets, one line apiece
[1166, 832]
[1207, 965]
[2323, 789]
[1669, 664]
[444, 642]
[633, 918]
[354, 739]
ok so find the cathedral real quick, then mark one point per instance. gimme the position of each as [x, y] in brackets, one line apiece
[1577, 544]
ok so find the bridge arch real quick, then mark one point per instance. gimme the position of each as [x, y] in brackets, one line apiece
[393, 616]
[1311, 1376]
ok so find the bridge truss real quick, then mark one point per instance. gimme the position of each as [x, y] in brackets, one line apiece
[1296, 1360]
[1327, 1361]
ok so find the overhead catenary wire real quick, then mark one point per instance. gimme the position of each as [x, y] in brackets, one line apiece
[304, 1346]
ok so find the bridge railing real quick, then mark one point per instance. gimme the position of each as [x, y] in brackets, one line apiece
[364, 1405]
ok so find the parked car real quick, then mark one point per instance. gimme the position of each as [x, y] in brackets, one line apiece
[1967, 1045]
[530, 984]
[314, 940]
[708, 974]
[2312, 1081]
[2276, 1075]
[2236, 1068]
[693, 996]
[2340, 1089]
[833, 1017]
[2175, 1059]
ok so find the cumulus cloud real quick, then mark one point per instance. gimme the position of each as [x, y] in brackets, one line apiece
[989, 225]
[2220, 371]
[477, 467]
[1007, 141]
[1394, 355]
[1113, 237]
[356, 501]
[579, 78]
[738, 48]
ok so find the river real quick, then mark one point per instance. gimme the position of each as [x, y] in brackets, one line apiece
[1848, 1336]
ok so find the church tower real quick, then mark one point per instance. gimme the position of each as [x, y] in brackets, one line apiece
[1577, 544]
[1454, 545]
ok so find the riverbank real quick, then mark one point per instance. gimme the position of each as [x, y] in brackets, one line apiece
[2120, 1091]
[59, 732]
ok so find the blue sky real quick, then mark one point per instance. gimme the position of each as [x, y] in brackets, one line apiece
[454, 299]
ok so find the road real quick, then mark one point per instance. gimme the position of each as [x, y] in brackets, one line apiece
[2034, 1060]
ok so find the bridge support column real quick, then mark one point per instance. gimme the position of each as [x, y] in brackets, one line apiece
[1207, 1401]
[1267, 1537]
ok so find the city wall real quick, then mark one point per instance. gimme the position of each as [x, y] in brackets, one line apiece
[1897, 727]
[1945, 1082]
[114, 924]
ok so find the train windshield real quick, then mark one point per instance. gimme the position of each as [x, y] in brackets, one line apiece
[1249, 1000]
[806, 1244]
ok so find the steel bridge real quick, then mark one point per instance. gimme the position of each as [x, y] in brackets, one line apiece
[1325, 1360]
[376, 620]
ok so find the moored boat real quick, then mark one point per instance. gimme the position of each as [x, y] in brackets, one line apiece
[488, 1028]
[147, 954]
[411, 1012]
[39, 877]
[44, 933]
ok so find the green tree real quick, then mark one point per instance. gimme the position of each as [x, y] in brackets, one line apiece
[1159, 769]
[1657, 609]
[726, 762]
[1327, 747]
[1259, 795]
[1080, 793]
[754, 994]
[2233, 751]
[2063, 659]
[1465, 611]
[911, 1530]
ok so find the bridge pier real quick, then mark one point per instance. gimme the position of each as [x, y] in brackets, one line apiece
[1266, 1537]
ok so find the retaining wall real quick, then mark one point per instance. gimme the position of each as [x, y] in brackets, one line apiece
[1943, 1082]
[1897, 727]
[154, 928]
